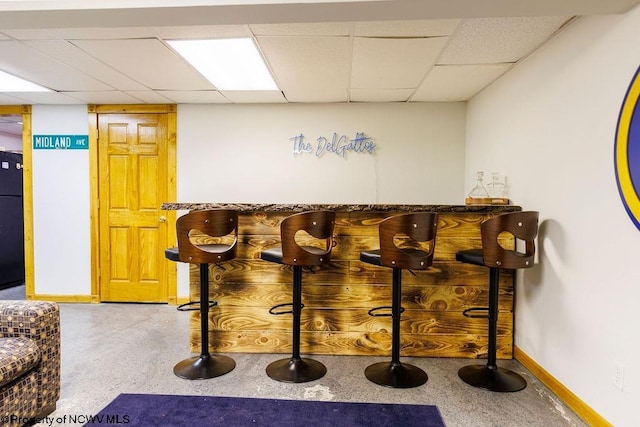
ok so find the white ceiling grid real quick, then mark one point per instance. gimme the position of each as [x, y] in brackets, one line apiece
[317, 50]
[318, 62]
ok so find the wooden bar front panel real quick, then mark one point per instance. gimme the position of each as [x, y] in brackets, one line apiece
[338, 297]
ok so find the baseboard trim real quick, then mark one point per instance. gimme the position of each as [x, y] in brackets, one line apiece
[583, 410]
[91, 299]
[63, 298]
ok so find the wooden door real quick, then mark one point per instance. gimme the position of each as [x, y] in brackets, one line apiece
[133, 183]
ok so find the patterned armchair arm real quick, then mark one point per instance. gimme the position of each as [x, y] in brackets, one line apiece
[39, 321]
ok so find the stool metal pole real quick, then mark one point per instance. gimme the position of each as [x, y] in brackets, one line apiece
[297, 310]
[204, 366]
[296, 369]
[204, 310]
[490, 376]
[396, 374]
[396, 312]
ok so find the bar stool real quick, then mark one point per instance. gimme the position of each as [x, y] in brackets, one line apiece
[400, 238]
[213, 223]
[318, 224]
[523, 226]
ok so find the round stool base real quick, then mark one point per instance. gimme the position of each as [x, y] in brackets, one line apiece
[396, 375]
[204, 367]
[296, 370]
[492, 379]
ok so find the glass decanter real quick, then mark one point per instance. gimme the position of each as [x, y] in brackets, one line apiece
[479, 191]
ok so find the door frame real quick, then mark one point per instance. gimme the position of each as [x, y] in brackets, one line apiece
[93, 112]
[27, 193]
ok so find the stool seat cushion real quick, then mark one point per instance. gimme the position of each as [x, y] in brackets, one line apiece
[471, 256]
[374, 256]
[275, 254]
[173, 254]
[371, 257]
[272, 255]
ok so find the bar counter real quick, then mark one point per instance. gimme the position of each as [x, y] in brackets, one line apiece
[337, 297]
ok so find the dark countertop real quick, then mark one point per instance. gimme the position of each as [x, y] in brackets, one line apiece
[258, 207]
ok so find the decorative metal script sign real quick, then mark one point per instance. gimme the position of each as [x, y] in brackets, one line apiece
[338, 145]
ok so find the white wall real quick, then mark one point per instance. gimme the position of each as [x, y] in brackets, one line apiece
[549, 125]
[62, 243]
[243, 154]
[10, 142]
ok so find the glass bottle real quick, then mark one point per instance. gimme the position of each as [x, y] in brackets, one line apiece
[479, 191]
[495, 187]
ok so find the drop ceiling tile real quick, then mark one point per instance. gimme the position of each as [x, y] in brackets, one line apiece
[53, 98]
[457, 82]
[202, 32]
[310, 62]
[194, 97]
[496, 40]
[106, 33]
[148, 96]
[384, 63]
[32, 34]
[315, 95]
[308, 29]
[417, 28]
[30, 64]
[147, 61]
[380, 95]
[71, 55]
[316, 64]
[11, 100]
[82, 33]
[254, 96]
[104, 97]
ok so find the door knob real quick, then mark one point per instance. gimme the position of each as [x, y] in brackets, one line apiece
[162, 218]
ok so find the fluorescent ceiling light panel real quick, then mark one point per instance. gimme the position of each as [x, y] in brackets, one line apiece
[230, 64]
[10, 83]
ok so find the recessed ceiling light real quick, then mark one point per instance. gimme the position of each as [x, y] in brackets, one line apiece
[11, 83]
[229, 64]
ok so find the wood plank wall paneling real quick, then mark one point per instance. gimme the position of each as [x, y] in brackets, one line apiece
[337, 297]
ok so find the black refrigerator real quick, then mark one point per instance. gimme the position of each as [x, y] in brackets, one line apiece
[11, 220]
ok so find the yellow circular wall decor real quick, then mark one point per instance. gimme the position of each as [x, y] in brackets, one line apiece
[627, 151]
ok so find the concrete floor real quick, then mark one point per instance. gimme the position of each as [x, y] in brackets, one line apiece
[109, 349]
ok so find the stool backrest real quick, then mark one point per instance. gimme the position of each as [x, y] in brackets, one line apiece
[318, 224]
[420, 227]
[524, 228]
[213, 223]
